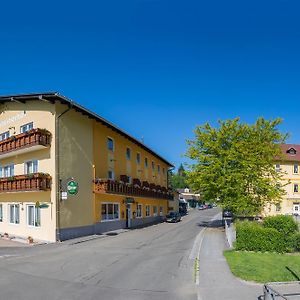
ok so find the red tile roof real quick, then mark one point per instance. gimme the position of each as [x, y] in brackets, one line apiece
[291, 157]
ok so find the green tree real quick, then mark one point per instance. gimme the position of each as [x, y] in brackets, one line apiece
[234, 163]
[178, 180]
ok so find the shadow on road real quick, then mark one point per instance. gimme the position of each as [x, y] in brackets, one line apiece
[211, 224]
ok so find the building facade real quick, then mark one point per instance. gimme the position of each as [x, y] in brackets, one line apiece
[66, 172]
[289, 167]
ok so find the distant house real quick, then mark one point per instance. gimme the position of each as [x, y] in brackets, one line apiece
[186, 195]
[289, 167]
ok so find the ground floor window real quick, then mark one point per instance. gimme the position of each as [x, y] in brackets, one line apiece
[278, 207]
[154, 211]
[110, 211]
[161, 211]
[147, 210]
[296, 188]
[14, 213]
[139, 211]
[33, 216]
[1, 212]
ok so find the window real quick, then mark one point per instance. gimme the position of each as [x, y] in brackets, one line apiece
[296, 188]
[31, 167]
[291, 151]
[296, 169]
[277, 168]
[147, 210]
[128, 153]
[138, 158]
[154, 211]
[139, 211]
[158, 168]
[26, 127]
[111, 175]
[7, 171]
[161, 211]
[146, 162]
[1, 212]
[129, 179]
[110, 144]
[33, 216]
[153, 166]
[14, 213]
[4, 135]
[163, 170]
[278, 207]
[110, 211]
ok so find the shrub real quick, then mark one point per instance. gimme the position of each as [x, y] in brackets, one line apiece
[252, 236]
[284, 224]
[296, 241]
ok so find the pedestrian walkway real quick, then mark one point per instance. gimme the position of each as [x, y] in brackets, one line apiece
[216, 281]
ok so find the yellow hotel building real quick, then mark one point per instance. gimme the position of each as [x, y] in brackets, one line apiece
[66, 172]
[289, 167]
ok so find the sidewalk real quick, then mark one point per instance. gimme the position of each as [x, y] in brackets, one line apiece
[216, 281]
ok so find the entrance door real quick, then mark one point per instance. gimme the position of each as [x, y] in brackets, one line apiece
[128, 215]
[296, 208]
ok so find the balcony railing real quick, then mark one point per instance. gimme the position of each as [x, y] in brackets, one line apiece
[117, 187]
[21, 183]
[33, 137]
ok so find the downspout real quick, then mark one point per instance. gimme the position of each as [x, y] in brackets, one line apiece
[57, 171]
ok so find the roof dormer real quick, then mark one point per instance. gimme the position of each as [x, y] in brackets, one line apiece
[291, 151]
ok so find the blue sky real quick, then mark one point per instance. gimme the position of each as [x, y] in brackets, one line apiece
[158, 68]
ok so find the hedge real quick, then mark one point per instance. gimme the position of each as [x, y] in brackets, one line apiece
[252, 236]
[284, 224]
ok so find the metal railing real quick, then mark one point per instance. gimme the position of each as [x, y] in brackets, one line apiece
[282, 290]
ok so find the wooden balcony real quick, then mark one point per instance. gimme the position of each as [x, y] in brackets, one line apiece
[117, 187]
[31, 140]
[26, 183]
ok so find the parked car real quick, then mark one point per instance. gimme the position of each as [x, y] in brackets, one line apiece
[201, 207]
[227, 213]
[173, 217]
[209, 206]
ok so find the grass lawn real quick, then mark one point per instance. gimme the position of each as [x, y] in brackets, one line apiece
[263, 267]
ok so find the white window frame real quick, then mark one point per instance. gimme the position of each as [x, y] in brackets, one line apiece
[129, 179]
[139, 211]
[9, 210]
[138, 154]
[4, 169]
[26, 127]
[155, 214]
[113, 204]
[35, 166]
[148, 210]
[4, 135]
[112, 175]
[35, 216]
[294, 187]
[297, 166]
[277, 168]
[128, 157]
[113, 144]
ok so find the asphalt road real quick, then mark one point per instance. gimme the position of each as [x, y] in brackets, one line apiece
[149, 263]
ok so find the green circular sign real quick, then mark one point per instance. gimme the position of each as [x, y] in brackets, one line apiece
[72, 187]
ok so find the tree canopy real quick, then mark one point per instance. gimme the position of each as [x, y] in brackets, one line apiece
[234, 163]
[178, 180]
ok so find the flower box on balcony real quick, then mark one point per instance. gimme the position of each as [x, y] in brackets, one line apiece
[29, 182]
[35, 137]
